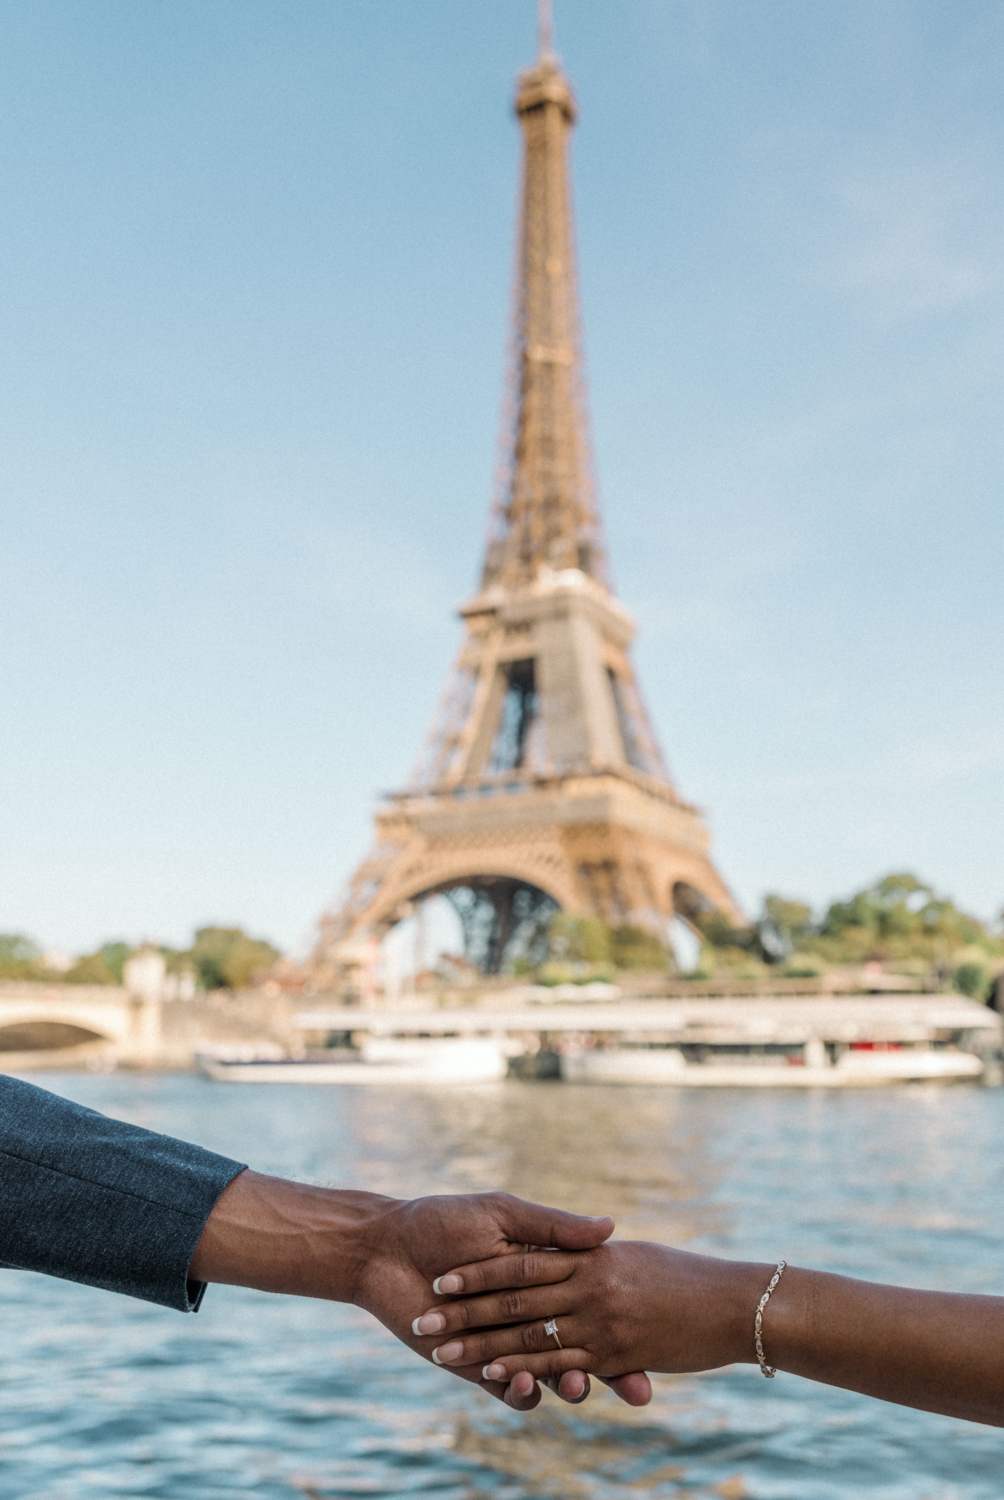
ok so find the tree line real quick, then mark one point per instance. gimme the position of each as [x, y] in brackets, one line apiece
[899, 922]
[219, 958]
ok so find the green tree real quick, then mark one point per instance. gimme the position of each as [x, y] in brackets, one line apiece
[902, 920]
[115, 954]
[578, 939]
[20, 957]
[633, 948]
[91, 968]
[972, 979]
[719, 931]
[226, 958]
[784, 925]
[103, 966]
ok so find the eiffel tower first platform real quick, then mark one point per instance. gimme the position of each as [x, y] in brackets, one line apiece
[541, 784]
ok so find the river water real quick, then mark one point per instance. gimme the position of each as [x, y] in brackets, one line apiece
[288, 1399]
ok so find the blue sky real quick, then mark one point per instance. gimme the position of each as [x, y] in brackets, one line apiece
[255, 273]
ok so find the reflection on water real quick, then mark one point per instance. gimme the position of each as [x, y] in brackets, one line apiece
[277, 1397]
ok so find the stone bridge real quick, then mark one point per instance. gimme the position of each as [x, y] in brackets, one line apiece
[51, 1026]
[101, 1026]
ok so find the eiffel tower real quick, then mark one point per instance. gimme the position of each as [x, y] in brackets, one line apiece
[541, 784]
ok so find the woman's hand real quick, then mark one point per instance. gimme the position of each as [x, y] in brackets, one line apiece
[629, 1306]
[618, 1308]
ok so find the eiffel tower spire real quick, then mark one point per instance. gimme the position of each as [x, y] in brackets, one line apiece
[541, 784]
[545, 513]
[545, 29]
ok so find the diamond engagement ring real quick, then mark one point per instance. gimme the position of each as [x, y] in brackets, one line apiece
[551, 1329]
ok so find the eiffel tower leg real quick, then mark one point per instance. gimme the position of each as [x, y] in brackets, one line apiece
[493, 913]
[503, 895]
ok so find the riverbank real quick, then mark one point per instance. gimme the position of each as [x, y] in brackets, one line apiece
[591, 1033]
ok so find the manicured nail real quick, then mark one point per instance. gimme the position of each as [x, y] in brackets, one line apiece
[429, 1323]
[446, 1354]
[493, 1372]
[445, 1286]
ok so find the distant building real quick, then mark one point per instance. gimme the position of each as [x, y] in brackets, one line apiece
[144, 973]
[179, 986]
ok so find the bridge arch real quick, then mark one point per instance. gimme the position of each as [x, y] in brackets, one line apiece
[77, 1021]
[45, 1036]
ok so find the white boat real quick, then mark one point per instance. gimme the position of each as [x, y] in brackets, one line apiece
[853, 1068]
[766, 1042]
[381, 1060]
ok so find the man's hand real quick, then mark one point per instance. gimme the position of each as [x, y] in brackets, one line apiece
[384, 1253]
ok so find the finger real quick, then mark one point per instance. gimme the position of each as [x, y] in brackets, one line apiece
[522, 1393]
[533, 1224]
[522, 1338]
[635, 1389]
[573, 1386]
[533, 1268]
[519, 1305]
[546, 1367]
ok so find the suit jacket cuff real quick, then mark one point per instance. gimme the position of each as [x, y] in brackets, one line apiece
[95, 1200]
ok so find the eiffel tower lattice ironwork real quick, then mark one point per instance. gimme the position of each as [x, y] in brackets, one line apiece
[542, 784]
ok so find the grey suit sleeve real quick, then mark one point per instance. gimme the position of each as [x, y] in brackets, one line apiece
[94, 1200]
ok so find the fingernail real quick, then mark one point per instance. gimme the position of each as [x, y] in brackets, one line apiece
[493, 1372]
[429, 1323]
[445, 1286]
[447, 1353]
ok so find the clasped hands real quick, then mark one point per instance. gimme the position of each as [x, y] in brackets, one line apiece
[509, 1264]
[501, 1269]
[530, 1246]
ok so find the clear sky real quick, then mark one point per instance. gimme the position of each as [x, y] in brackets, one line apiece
[254, 282]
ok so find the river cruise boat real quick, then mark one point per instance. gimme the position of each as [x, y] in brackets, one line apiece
[382, 1060]
[763, 1041]
[810, 1066]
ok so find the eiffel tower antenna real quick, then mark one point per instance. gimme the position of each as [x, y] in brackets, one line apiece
[545, 30]
[541, 785]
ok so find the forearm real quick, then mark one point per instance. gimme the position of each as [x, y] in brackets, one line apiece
[280, 1236]
[939, 1351]
[633, 1305]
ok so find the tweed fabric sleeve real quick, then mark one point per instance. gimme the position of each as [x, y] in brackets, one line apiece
[95, 1200]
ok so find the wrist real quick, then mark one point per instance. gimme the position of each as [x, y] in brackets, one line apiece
[784, 1315]
[280, 1236]
[748, 1286]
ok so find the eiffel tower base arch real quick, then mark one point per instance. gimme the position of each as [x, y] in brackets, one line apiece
[603, 845]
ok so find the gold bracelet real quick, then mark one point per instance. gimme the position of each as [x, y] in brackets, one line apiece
[765, 1369]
